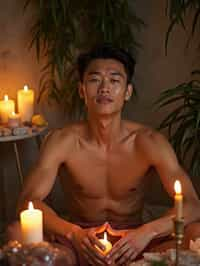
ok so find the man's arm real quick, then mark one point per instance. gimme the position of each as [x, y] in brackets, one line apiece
[41, 179]
[158, 153]
[161, 155]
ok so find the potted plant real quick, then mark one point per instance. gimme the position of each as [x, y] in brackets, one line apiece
[183, 122]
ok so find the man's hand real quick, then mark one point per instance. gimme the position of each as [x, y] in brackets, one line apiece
[131, 244]
[86, 240]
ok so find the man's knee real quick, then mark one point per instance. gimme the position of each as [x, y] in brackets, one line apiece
[13, 232]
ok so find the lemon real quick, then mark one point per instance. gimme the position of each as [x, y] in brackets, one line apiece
[39, 120]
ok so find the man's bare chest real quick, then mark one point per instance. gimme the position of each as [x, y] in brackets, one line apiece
[114, 173]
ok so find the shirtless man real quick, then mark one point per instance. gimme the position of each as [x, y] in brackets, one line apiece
[106, 159]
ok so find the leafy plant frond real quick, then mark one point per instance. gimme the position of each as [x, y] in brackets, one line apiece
[183, 121]
[64, 28]
[177, 10]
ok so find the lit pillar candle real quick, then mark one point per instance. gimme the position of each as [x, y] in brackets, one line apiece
[178, 200]
[7, 106]
[13, 120]
[106, 243]
[25, 101]
[31, 225]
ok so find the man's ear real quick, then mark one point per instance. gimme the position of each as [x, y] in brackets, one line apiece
[80, 90]
[129, 92]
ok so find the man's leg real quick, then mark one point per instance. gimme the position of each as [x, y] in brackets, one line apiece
[191, 231]
[14, 233]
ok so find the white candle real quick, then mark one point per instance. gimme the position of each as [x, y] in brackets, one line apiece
[106, 243]
[178, 200]
[13, 120]
[25, 101]
[31, 225]
[6, 108]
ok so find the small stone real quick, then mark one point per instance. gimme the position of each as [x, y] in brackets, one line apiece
[6, 132]
[20, 131]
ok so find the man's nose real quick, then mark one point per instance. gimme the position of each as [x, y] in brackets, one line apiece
[104, 87]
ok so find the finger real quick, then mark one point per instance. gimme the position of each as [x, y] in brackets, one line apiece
[90, 258]
[115, 232]
[87, 257]
[93, 250]
[133, 256]
[117, 247]
[100, 229]
[121, 252]
[126, 257]
[95, 241]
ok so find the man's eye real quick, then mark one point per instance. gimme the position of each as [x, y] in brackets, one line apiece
[115, 81]
[94, 80]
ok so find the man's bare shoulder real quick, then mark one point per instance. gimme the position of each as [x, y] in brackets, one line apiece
[139, 130]
[153, 145]
[66, 135]
[146, 136]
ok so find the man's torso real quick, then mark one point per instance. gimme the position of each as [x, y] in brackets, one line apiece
[105, 184]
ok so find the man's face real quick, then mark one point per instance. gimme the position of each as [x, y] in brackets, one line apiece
[104, 87]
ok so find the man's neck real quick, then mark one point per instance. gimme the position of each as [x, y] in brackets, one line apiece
[105, 130]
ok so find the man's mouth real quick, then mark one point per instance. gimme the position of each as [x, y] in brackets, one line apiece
[103, 99]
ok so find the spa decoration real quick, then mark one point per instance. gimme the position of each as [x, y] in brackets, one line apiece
[13, 120]
[42, 254]
[39, 120]
[178, 200]
[25, 101]
[178, 221]
[31, 225]
[106, 243]
[7, 106]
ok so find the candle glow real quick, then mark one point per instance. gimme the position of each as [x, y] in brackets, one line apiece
[178, 198]
[25, 87]
[177, 187]
[31, 225]
[13, 120]
[25, 101]
[7, 106]
[106, 243]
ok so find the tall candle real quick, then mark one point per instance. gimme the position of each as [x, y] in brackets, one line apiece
[178, 200]
[7, 106]
[106, 243]
[25, 101]
[31, 225]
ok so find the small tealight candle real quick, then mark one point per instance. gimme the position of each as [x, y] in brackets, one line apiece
[7, 106]
[178, 198]
[31, 225]
[106, 243]
[13, 120]
[25, 101]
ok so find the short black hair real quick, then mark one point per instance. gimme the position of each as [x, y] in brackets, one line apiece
[107, 51]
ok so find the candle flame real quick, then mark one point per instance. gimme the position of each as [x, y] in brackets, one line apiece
[105, 236]
[177, 187]
[25, 88]
[13, 113]
[30, 205]
[6, 97]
